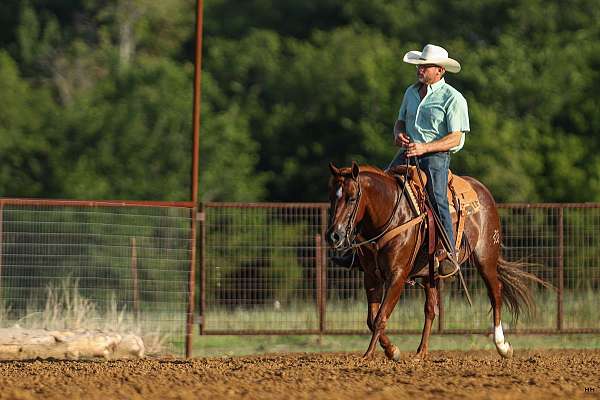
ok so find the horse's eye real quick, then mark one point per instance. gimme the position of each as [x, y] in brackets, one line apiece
[352, 199]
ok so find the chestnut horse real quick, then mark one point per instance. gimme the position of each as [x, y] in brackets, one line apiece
[366, 202]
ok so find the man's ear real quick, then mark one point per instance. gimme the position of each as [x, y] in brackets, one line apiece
[355, 170]
[334, 170]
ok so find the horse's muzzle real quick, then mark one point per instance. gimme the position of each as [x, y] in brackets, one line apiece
[335, 237]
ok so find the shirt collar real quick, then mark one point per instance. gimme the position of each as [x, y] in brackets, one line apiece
[437, 85]
[430, 88]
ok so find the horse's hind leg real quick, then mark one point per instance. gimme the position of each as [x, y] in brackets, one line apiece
[486, 255]
[431, 301]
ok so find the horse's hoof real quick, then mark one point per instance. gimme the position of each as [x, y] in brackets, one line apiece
[505, 351]
[509, 354]
[393, 354]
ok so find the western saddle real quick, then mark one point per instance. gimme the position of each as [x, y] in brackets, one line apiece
[462, 198]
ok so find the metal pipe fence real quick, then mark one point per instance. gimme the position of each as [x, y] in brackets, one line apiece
[265, 269]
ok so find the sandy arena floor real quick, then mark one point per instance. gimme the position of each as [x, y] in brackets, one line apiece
[572, 374]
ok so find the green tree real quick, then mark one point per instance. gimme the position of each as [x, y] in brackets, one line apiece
[25, 120]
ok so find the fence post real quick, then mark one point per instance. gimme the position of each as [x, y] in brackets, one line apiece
[322, 311]
[189, 326]
[559, 298]
[318, 279]
[202, 226]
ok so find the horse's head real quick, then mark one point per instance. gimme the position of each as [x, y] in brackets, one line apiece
[345, 208]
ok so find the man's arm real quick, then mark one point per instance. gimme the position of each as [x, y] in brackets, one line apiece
[446, 143]
[400, 136]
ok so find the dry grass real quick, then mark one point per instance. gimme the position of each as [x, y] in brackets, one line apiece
[66, 309]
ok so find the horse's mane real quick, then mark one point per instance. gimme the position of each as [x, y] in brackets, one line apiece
[364, 168]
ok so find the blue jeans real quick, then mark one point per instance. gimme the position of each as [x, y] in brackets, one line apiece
[435, 166]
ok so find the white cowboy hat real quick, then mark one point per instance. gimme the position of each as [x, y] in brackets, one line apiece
[432, 54]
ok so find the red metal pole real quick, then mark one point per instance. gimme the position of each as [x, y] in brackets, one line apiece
[561, 283]
[197, 101]
[318, 279]
[322, 317]
[196, 131]
[202, 221]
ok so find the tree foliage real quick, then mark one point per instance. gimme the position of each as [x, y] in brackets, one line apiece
[97, 95]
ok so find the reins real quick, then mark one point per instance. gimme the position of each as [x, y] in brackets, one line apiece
[387, 234]
[387, 224]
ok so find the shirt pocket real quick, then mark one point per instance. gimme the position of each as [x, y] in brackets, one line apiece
[410, 116]
[433, 116]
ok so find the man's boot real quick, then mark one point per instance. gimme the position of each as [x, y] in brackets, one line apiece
[447, 266]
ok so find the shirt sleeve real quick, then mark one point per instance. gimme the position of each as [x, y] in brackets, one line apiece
[402, 112]
[458, 115]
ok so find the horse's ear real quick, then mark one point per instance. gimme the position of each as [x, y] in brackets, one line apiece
[355, 170]
[334, 170]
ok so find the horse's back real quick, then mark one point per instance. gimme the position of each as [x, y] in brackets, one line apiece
[486, 200]
[483, 228]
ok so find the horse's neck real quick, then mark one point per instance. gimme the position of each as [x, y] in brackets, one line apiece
[381, 195]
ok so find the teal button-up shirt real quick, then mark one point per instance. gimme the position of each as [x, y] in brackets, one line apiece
[442, 110]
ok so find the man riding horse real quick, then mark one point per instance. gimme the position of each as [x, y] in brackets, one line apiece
[376, 215]
[431, 124]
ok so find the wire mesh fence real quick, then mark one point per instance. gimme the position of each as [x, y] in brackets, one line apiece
[120, 268]
[266, 269]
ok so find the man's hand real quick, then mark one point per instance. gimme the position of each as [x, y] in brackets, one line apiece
[416, 149]
[401, 139]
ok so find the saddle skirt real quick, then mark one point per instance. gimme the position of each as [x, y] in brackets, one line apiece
[462, 198]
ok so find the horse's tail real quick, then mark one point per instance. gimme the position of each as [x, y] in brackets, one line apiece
[515, 286]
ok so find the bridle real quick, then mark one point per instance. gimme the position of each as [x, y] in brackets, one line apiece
[351, 217]
[350, 226]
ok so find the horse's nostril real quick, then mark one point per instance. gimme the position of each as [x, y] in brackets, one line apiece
[334, 237]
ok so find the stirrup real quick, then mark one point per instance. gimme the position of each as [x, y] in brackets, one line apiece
[453, 268]
[443, 260]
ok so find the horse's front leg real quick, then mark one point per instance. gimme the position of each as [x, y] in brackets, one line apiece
[431, 301]
[374, 289]
[392, 294]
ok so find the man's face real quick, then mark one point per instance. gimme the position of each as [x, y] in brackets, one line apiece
[429, 73]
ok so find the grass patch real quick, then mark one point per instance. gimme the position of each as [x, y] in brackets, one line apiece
[580, 310]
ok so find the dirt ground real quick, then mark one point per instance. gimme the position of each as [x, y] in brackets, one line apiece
[573, 374]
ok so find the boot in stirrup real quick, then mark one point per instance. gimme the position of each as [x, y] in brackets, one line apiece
[447, 266]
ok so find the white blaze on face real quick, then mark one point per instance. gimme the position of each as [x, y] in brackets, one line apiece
[338, 194]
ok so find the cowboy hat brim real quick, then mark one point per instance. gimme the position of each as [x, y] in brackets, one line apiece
[414, 57]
